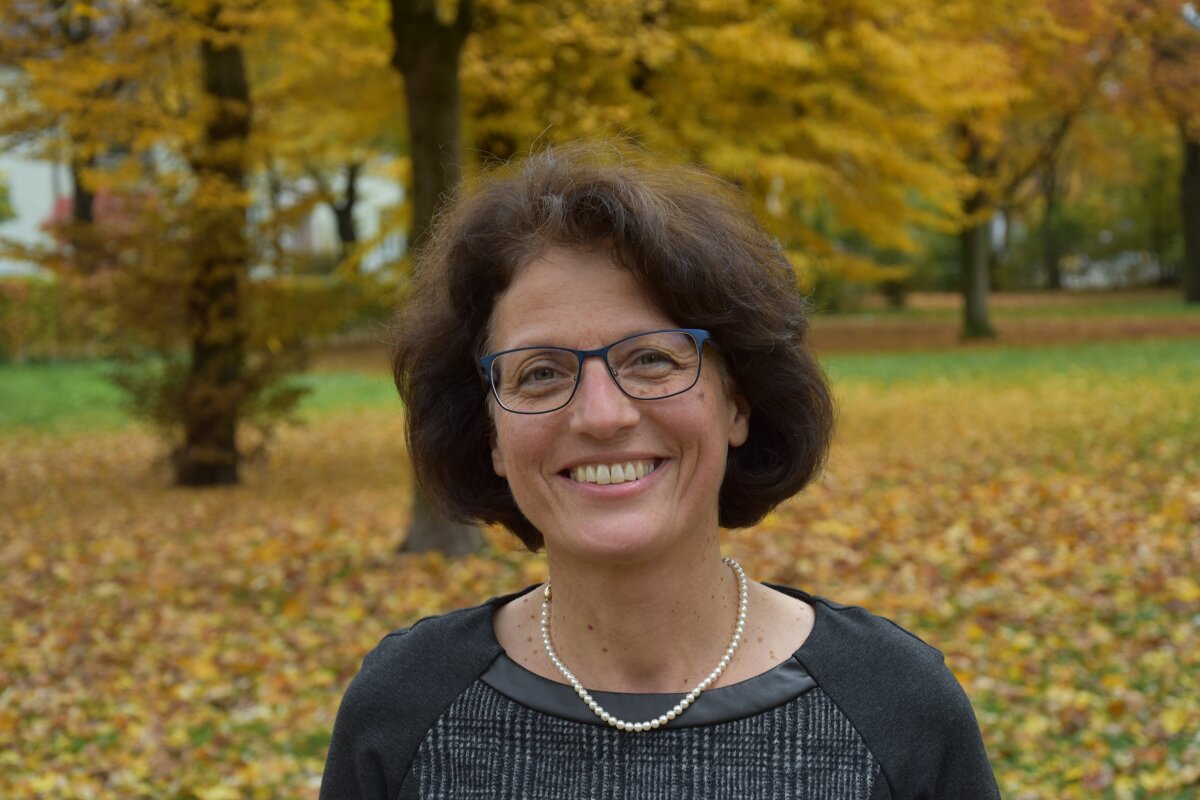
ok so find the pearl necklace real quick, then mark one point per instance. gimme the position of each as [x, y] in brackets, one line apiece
[687, 700]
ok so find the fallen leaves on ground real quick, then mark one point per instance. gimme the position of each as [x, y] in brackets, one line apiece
[163, 643]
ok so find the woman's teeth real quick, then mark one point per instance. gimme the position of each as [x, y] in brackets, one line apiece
[605, 474]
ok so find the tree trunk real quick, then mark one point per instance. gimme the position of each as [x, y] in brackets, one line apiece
[213, 389]
[82, 233]
[1051, 250]
[343, 210]
[429, 530]
[427, 56]
[976, 239]
[1159, 218]
[1190, 205]
[82, 200]
[976, 243]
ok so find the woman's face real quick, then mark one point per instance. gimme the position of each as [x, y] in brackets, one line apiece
[582, 300]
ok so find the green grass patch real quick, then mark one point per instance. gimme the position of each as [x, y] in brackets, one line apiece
[1102, 308]
[347, 391]
[78, 396]
[60, 397]
[1121, 360]
[1117, 305]
[70, 397]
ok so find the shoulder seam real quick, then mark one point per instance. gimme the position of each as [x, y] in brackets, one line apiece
[836, 607]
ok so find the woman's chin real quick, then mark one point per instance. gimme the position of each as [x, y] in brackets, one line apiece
[610, 545]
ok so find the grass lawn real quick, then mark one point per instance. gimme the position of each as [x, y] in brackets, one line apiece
[1178, 357]
[73, 397]
[78, 396]
[933, 321]
[1114, 303]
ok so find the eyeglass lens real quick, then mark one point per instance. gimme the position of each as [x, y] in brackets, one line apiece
[646, 367]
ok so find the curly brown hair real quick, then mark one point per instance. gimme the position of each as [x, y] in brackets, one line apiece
[689, 238]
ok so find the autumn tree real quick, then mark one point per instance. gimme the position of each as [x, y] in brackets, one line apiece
[829, 116]
[102, 110]
[1116, 197]
[330, 117]
[1052, 60]
[1173, 36]
[157, 98]
[215, 295]
[429, 38]
[38, 33]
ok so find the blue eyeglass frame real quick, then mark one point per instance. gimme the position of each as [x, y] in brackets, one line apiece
[699, 335]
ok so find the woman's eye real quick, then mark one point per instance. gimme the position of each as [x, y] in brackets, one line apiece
[651, 358]
[540, 374]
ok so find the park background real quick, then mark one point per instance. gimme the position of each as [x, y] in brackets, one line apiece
[206, 517]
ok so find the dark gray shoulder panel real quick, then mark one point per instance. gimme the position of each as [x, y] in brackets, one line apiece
[904, 701]
[404, 685]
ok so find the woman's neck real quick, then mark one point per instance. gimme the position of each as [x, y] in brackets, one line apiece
[651, 627]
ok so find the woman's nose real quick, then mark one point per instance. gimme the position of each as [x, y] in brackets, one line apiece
[600, 409]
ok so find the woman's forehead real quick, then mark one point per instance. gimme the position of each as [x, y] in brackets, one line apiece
[570, 298]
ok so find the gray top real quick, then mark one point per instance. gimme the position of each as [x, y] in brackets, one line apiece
[885, 720]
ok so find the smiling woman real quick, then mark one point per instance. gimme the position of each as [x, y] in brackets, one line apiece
[609, 359]
[601, 418]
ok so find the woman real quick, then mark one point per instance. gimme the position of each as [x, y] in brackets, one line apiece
[609, 359]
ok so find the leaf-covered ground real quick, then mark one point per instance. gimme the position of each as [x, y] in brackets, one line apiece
[1041, 526]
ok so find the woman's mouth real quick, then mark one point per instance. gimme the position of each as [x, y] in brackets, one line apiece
[610, 473]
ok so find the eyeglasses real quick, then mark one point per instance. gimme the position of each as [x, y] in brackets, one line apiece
[647, 366]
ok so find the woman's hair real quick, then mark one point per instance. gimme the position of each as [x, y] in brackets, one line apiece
[688, 238]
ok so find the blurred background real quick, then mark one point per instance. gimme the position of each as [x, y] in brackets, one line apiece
[206, 215]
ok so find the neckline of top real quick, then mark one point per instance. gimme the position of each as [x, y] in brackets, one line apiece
[780, 684]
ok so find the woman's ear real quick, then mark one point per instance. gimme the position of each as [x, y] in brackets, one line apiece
[497, 456]
[739, 421]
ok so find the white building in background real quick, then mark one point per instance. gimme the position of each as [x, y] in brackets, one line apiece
[317, 233]
[32, 187]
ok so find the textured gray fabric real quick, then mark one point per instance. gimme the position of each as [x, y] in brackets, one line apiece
[488, 746]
